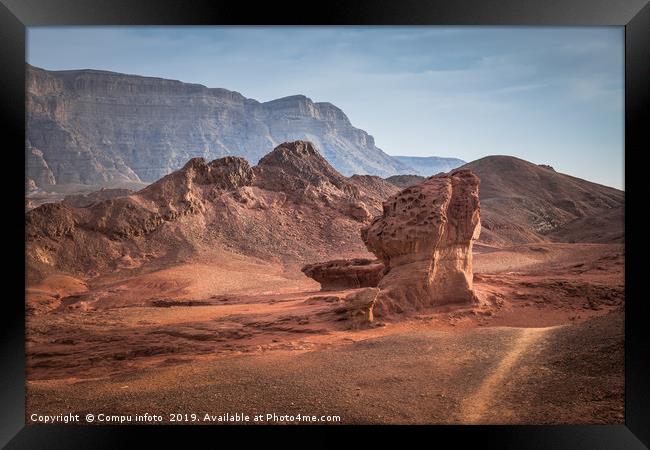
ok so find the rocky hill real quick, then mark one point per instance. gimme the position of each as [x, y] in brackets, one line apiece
[525, 202]
[90, 127]
[292, 207]
[429, 165]
[522, 202]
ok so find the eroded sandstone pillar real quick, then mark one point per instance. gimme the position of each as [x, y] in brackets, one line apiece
[425, 237]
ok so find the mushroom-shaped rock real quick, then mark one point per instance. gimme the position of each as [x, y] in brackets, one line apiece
[425, 238]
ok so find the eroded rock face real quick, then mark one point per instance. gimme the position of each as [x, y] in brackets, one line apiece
[299, 170]
[37, 169]
[51, 220]
[346, 273]
[293, 206]
[425, 238]
[95, 126]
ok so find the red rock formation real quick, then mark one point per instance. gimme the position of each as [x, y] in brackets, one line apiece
[297, 169]
[424, 238]
[373, 191]
[292, 207]
[345, 273]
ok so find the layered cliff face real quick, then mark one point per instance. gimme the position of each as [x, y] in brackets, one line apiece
[38, 170]
[425, 237]
[292, 207]
[94, 126]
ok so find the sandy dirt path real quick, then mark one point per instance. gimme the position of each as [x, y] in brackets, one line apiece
[474, 407]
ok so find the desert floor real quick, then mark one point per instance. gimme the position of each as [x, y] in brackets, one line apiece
[544, 346]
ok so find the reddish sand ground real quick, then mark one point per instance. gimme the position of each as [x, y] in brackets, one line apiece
[544, 346]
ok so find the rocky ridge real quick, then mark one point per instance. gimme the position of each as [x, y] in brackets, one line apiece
[523, 202]
[91, 127]
[291, 207]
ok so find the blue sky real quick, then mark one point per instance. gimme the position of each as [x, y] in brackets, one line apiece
[547, 95]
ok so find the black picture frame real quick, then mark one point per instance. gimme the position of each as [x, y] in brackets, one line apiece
[634, 15]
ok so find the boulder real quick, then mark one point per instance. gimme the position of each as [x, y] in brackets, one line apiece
[358, 307]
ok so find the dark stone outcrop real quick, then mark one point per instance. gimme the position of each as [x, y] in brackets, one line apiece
[345, 273]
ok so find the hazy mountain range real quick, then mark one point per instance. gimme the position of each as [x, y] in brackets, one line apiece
[92, 127]
[429, 165]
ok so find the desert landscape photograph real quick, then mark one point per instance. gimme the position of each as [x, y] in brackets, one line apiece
[324, 225]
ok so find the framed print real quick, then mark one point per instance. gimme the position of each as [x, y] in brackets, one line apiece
[373, 217]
